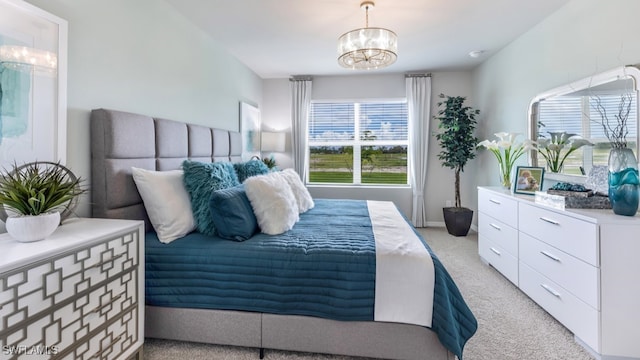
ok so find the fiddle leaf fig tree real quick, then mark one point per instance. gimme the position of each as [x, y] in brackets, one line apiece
[457, 125]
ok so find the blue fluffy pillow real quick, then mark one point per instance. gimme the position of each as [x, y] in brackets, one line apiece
[232, 214]
[200, 180]
[250, 168]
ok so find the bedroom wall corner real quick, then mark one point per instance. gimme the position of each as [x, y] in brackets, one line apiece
[583, 38]
[143, 56]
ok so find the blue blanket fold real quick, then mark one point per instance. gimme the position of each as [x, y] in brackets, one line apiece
[324, 267]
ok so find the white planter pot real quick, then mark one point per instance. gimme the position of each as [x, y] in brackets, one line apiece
[32, 228]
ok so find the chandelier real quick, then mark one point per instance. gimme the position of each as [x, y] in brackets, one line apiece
[369, 47]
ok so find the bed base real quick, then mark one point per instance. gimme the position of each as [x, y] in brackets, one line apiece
[295, 333]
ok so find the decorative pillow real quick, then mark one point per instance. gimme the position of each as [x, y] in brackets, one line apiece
[232, 214]
[167, 202]
[250, 168]
[273, 202]
[303, 198]
[200, 180]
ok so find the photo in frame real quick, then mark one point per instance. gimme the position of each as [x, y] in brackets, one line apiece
[529, 179]
[250, 129]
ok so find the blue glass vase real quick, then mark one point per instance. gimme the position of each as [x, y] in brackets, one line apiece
[624, 183]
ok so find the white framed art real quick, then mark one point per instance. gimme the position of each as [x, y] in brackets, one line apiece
[250, 129]
[33, 85]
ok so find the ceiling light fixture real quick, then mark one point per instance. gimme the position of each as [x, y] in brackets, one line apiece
[367, 48]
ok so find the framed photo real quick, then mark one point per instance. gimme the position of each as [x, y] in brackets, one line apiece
[528, 180]
[250, 129]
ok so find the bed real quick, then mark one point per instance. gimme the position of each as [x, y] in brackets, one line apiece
[121, 140]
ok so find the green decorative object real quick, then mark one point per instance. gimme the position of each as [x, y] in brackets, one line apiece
[37, 188]
[457, 125]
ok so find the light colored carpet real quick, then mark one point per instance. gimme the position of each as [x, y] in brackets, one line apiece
[511, 326]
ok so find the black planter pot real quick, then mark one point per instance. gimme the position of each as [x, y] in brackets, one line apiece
[458, 220]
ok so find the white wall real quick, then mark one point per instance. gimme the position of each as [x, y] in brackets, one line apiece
[276, 113]
[143, 56]
[582, 38]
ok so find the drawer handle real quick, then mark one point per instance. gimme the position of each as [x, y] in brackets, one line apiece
[495, 226]
[495, 201]
[495, 251]
[550, 290]
[552, 257]
[100, 307]
[106, 261]
[549, 220]
[97, 356]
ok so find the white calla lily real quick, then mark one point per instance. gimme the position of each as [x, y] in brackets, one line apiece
[507, 150]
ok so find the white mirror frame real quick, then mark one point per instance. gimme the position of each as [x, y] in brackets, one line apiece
[58, 151]
[618, 73]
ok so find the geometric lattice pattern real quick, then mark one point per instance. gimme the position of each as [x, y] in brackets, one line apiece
[76, 305]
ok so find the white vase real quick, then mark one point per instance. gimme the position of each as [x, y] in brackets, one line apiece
[28, 228]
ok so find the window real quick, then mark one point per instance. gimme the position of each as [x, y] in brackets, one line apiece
[574, 114]
[358, 142]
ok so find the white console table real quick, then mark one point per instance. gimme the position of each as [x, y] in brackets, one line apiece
[580, 265]
[77, 295]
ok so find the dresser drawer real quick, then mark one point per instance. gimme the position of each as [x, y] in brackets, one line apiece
[573, 236]
[113, 342]
[498, 206]
[499, 258]
[29, 292]
[575, 275]
[70, 323]
[500, 233]
[577, 316]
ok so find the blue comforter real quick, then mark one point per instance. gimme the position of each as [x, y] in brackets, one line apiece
[325, 267]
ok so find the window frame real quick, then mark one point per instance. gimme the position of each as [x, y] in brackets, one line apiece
[357, 143]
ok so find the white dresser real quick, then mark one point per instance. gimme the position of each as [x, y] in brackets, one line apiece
[579, 265]
[77, 295]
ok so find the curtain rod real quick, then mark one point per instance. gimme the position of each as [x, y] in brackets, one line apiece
[417, 75]
[301, 78]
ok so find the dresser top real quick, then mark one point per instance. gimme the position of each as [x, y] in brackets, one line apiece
[73, 233]
[599, 216]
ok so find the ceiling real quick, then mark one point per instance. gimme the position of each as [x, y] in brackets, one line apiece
[280, 38]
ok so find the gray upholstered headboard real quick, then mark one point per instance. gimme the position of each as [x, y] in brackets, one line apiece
[120, 140]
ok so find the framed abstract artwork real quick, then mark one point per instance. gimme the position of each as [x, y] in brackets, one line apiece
[33, 83]
[250, 129]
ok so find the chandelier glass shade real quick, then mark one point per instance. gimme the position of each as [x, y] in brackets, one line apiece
[369, 47]
[24, 58]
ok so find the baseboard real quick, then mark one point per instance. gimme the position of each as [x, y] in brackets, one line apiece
[441, 224]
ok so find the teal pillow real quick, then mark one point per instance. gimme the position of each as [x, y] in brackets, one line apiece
[250, 168]
[200, 180]
[232, 214]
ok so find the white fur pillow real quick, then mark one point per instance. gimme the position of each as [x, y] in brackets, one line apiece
[167, 202]
[303, 198]
[273, 202]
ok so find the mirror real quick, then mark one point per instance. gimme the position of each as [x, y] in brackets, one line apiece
[33, 70]
[581, 108]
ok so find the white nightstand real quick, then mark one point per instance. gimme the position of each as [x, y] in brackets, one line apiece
[77, 295]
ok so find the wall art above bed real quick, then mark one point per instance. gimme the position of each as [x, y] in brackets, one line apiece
[250, 128]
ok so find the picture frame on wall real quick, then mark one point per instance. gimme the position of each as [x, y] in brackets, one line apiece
[33, 85]
[250, 126]
[529, 179]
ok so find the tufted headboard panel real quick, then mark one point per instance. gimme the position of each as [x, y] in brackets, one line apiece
[120, 140]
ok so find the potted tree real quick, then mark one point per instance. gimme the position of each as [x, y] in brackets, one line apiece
[33, 195]
[457, 124]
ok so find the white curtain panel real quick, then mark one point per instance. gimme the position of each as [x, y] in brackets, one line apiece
[300, 104]
[419, 106]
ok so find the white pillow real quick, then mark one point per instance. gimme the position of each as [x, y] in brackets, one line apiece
[303, 198]
[273, 202]
[167, 202]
